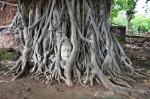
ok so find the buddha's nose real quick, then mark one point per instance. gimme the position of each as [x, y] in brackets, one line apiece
[67, 53]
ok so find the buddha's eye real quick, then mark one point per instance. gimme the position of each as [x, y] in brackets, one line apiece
[69, 50]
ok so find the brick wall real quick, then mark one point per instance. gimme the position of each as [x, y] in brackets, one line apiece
[138, 46]
[119, 32]
[133, 45]
[8, 13]
[7, 39]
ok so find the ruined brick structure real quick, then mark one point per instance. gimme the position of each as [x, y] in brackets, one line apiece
[7, 13]
[7, 39]
[138, 46]
[133, 45]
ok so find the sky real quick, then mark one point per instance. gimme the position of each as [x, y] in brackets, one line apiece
[140, 5]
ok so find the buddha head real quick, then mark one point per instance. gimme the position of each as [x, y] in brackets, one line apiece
[66, 48]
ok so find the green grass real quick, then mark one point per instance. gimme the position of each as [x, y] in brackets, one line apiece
[5, 55]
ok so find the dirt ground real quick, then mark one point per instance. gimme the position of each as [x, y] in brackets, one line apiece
[27, 88]
[31, 89]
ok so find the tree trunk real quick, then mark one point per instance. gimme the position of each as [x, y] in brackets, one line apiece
[45, 26]
[128, 17]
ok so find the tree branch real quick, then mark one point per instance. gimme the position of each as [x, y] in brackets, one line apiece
[11, 24]
[3, 2]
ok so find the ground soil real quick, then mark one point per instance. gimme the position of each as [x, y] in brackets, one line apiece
[27, 88]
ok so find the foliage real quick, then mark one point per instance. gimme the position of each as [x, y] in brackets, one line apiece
[2, 51]
[118, 39]
[123, 5]
[120, 19]
[140, 23]
[117, 7]
[128, 6]
[5, 55]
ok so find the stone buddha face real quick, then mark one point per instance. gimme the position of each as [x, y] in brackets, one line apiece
[66, 49]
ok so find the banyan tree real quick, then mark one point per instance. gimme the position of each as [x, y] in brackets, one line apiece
[70, 41]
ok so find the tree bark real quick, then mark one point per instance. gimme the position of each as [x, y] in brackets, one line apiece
[128, 17]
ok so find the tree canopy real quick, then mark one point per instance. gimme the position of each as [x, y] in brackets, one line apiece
[126, 8]
[123, 5]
